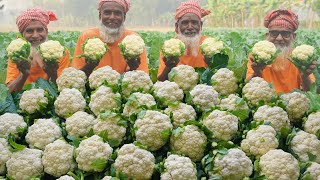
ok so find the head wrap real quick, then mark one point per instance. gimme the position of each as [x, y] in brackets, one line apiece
[282, 18]
[35, 14]
[124, 3]
[191, 6]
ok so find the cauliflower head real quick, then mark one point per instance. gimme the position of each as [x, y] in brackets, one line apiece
[260, 140]
[102, 75]
[91, 150]
[33, 100]
[312, 124]
[297, 104]
[69, 102]
[224, 82]
[25, 164]
[79, 124]
[135, 81]
[51, 51]
[167, 92]
[264, 52]
[19, 50]
[135, 162]
[204, 96]
[279, 165]
[5, 155]
[94, 49]
[173, 48]
[66, 177]
[178, 75]
[314, 171]
[42, 133]
[137, 102]
[10, 123]
[257, 90]
[152, 129]
[211, 46]
[274, 115]
[235, 104]
[190, 141]
[72, 78]
[180, 114]
[58, 159]
[302, 56]
[179, 167]
[132, 46]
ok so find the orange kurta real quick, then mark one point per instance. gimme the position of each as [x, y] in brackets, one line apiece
[186, 59]
[112, 58]
[35, 70]
[283, 81]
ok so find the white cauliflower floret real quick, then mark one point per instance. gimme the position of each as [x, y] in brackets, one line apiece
[19, 50]
[264, 52]
[179, 167]
[10, 123]
[235, 104]
[51, 51]
[58, 159]
[91, 150]
[173, 48]
[136, 101]
[304, 143]
[224, 82]
[72, 78]
[104, 99]
[211, 46]
[314, 171]
[256, 90]
[94, 49]
[132, 46]
[178, 75]
[312, 124]
[302, 56]
[181, 113]
[274, 115]
[103, 74]
[204, 96]
[68, 102]
[66, 177]
[167, 92]
[134, 162]
[109, 178]
[79, 124]
[234, 165]
[33, 100]
[153, 129]
[297, 104]
[279, 165]
[189, 141]
[109, 124]
[222, 124]
[5, 155]
[25, 164]
[42, 133]
[260, 140]
[134, 81]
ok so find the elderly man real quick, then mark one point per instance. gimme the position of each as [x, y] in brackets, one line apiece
[285, 77]
[188, 27]
[32, 24]
[112, 14]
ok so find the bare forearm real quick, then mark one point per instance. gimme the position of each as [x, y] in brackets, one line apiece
[306, 83]
[87, 69]
[256, 74]
[164, 75]
[18, 83]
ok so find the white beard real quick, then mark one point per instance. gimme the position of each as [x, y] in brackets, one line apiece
[191, 43]
[282, 61]
[110, 35]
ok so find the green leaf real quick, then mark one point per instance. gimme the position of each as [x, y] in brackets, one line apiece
[318, 133]
[219, 61]
[242, 114]
[75, 140]
[15, 147]
[3, 93]
[172, 74]
[90, 133]
[104, 135]
[99, 164]
[177, 132]
[123, 123]
[113, 142]
[43, 84]
[165, 134]
[311, 157]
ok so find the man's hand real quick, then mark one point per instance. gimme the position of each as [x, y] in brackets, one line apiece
[305, 74]
[24, 67]
[256, 67]
[89, 66]
[171, 62]
[133, 63]
[51, 69]
[207, 60]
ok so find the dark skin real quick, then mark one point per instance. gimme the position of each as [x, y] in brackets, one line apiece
[112, 15]
[188, 25]
[36, 34]
[283, 37]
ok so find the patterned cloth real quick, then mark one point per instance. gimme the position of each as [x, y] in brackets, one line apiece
[124, 3]
[36, 14]
[191, 6]
[282, 18]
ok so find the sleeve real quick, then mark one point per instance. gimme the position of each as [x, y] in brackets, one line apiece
[12, 71]
[64, 62]
[144, 62]
[250, 71]
[161, 64]
[78, 62]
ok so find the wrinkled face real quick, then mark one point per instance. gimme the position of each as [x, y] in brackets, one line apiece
[189, 25]
[35, 33]
[281, 37]
[112, 15]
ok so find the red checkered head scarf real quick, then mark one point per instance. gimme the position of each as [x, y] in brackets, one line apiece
[124, 3]
[282, 18]
[191, 6]
[35, 14]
